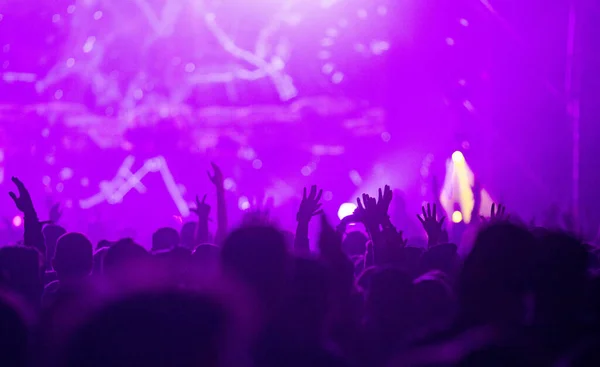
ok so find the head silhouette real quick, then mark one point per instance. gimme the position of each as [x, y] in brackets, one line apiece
[389, 299]
[258, 257]
[14, 335]
[496, 276]
[561, 278]
[355, 243]
[20, 272]
[306, 302]
[165, 239]
[73, 258]
[122, 255]
[188, 235]
[52, 233]
[167, 328]
[435, 304]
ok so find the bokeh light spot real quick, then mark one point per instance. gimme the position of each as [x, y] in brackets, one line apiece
[345, 210]
[243, 203]
[457, 217]
[17, 221]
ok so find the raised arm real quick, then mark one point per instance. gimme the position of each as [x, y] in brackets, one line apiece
[33, 236]
[202, 210]
[217, 180]
[309, 207]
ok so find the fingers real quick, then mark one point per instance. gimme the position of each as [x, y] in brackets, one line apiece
[442, 221]
[17, 182]
[380, 198]
[493, 212]
[421, 219]
[434, 211]
[318, 212]
[313, 192]
[304, 194]
[424, 212]
[13, 196]
[319, 195]
[215, 168]
[203, 199]
[428, 210]
[210, 177]
[359, 204]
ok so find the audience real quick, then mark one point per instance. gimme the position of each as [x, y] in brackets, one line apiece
[257, 295]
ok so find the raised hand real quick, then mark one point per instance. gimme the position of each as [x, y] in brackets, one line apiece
[310, 205]
[217, 180]
[431, 224]
[23, 201]
[497, 214]
[366, 210]
[202, 209]
[383, 202]
[217, 177]
[393, 237]
[55, 213]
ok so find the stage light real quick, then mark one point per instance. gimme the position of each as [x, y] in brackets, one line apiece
[457, 217]
[17, 221]
[458, 157]
[345, 210]
[458, 189]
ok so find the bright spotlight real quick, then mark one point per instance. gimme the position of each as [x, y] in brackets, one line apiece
[458, 157]
[17, 221]
[457, 216]
[345, 210]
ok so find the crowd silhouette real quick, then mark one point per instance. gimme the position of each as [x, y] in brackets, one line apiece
[256, 295]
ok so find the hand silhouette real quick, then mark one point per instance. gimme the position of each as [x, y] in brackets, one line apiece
[202, 209]
[23, 201]
[367, 210]
[497, 214]
[432, 226]
[217, 177]
[393, 237]
[310, 205]
[383, 202]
